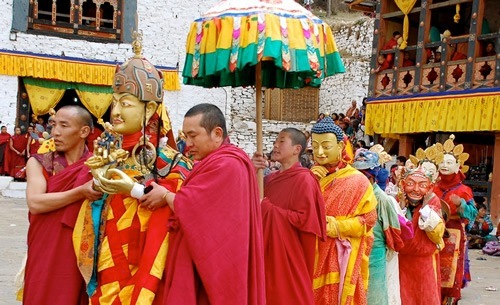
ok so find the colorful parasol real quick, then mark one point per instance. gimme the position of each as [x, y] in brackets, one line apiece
[270, 43]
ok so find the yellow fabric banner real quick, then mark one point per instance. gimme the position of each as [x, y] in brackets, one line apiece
[24, 65]
[95, 102]
[405, 6]
[43, 99]
[462, 113]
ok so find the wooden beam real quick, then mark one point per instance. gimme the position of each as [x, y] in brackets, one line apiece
[400, 13]
[448, 3]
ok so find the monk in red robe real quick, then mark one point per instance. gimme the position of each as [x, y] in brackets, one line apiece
[15, 158]
[293, 218]
[216, 251]
[4, 142]
[58, 182]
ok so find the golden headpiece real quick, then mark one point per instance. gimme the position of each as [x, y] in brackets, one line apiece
[383, 156]
[416, 165]
[457, 151]
[138, 76]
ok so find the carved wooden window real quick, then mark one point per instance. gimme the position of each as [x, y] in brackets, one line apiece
[294, 105]
[99, 19]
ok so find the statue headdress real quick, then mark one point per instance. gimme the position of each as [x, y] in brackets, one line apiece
[415, 165]
[457, 151]
[138, 76]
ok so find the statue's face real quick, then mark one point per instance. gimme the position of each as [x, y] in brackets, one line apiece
[326, 149]
[127, 113]
[416, 187]
[449, 165]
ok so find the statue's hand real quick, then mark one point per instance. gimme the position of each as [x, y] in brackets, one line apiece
[114, 181]
[319, 171]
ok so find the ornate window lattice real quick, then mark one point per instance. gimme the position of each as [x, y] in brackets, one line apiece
[99, 19]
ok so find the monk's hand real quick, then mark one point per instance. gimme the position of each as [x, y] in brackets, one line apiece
[331, 227]
[155, 197]
[115, 182]
[456, 200]
[319, 171]
[89, 192]
[258, 160]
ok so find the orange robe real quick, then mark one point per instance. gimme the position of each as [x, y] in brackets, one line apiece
[350, 199]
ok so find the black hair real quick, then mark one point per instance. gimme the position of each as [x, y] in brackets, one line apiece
[212, 117]
[401, 159]
[83, 114]
[481, 206]
[298, 138]
[3, 126]
[396, 33]
[393, 166]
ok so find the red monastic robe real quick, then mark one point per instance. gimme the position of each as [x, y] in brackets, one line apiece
[14, 162]
[52, 276]
[293, 216]
[216, 246]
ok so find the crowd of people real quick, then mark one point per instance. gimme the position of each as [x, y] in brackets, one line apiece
[130, 222]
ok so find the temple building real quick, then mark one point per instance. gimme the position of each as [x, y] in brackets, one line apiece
[435, 71]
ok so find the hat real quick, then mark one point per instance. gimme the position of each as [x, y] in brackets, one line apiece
[138, 76]
[327, 125]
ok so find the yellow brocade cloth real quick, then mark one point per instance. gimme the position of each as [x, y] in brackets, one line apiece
[350, 199]
[133, 245]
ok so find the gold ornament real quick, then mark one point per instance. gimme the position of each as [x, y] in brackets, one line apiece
[457, 151]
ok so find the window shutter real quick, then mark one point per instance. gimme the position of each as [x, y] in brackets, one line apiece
[20, 13]
[129, 18]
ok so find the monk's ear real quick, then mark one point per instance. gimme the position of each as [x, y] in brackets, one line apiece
[218, 133]
[84, 132]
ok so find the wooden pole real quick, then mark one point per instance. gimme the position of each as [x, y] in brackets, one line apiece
[258, 122]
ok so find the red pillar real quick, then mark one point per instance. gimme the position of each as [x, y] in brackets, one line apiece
[495, 188]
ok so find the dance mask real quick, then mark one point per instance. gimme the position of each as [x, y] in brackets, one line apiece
[454, 157]
[420, 174]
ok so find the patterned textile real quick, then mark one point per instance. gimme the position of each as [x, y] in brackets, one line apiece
[133, 244]
[349, 198]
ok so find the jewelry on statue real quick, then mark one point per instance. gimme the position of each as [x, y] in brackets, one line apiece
[144, 155]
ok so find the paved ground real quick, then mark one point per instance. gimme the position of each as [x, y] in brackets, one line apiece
[14, 225]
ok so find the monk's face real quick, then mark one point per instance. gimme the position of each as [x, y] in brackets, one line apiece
[68, 131]
[449, 165]
[4, 129]
[17, 130]
[284, 151]
[200, 141]
[416, 187]
[326, 149]
[127, 113]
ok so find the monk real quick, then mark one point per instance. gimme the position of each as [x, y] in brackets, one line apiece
[15, 159]
[341, 274]
[123, 260]
[58, 182]
[4, 142]
[419, 258]
[216, 251]
[459, 198]
[294, 219]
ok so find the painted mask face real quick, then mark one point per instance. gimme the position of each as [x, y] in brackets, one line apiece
[326, 149]
[449, 165]
[416, 187]
[430, 170]
[127, 114]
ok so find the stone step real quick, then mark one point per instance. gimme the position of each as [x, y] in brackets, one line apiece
[17, 186]
[4, 182]
[21, 194]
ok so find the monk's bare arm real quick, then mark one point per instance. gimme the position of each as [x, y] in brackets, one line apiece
[39, 201]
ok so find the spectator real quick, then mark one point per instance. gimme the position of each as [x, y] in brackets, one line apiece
[490, 49]
[401, 161]
[407, 62]
[353, 111]
[479, 230]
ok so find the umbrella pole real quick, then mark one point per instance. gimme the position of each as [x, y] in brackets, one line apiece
[258, 121]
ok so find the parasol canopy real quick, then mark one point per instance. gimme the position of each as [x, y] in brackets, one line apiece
[295, 48]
